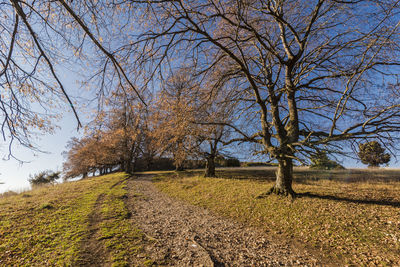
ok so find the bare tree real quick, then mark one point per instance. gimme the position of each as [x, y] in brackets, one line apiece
[316, 73]
[174, 112]
[40, 38]
[212, 107]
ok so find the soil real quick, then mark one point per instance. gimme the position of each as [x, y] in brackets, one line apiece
[180, 234]
[92, 250]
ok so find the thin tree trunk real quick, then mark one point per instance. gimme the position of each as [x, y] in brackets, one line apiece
[149, 162]
[179, 167]
[284, 178]
[128, 166]
[210, 167]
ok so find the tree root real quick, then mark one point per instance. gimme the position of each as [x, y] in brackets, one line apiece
[278, 191]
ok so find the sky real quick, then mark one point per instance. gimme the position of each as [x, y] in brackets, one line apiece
[15, 175]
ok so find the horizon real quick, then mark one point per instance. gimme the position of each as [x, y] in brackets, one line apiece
[14, 176]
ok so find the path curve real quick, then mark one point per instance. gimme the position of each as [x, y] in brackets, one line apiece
[181, 234]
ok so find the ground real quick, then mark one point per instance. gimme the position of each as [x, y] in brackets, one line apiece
[185, 235]
[349, 217]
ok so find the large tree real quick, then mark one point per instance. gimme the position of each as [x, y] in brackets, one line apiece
[184, 120]
[115, 140]
[317, 73]
[173, 116]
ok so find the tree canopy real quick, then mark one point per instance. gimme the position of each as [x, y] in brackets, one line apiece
[373, 154]
[315, 74]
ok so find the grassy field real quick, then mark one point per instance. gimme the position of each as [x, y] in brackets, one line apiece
[350, 216]
[47, 226]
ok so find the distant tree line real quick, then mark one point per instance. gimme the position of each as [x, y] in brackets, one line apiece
[175, 133]
[44, 177]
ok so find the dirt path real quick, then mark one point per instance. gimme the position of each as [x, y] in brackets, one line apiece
[186, 235]
[92, 250]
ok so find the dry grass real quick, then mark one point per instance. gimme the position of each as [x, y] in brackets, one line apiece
[351, 216]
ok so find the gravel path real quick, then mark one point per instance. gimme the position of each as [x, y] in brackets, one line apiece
[181, 234]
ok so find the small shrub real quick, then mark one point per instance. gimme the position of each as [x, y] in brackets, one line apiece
[43, 177]
[232, 162]
[321, 161]
[221, 161]
[258, 164]
[46, 206]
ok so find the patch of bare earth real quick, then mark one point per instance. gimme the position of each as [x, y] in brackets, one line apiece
[92, 250]
[180, 234]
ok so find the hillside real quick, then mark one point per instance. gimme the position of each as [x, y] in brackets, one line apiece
[115, 220]
[73, 223]
[169, 219]
[351, 217]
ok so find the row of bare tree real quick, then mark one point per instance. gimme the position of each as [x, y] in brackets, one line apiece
[180, 125]
[299, 76]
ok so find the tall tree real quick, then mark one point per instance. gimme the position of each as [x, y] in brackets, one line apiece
[212, 137]
[316, 73]
[174, 116]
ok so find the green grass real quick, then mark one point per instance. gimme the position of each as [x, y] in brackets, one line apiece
[356, 223]
[116, 229]
[46, 226]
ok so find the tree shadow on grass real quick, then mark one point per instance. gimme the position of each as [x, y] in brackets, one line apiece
[232, 173]
[395, 204]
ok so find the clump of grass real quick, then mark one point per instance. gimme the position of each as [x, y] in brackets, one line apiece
[353, 223]
[47, 206]
[8, 194]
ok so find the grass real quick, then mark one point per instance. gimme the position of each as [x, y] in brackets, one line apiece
[121, 239]
[351, 217]
[46, 226]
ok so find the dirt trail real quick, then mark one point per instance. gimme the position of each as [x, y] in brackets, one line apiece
[92, 251]
[186, 235]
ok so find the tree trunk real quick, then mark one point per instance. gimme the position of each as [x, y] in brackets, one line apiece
[210, 167]
[179, 167]
[128, 167]
[149, 162]
[284, 177]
